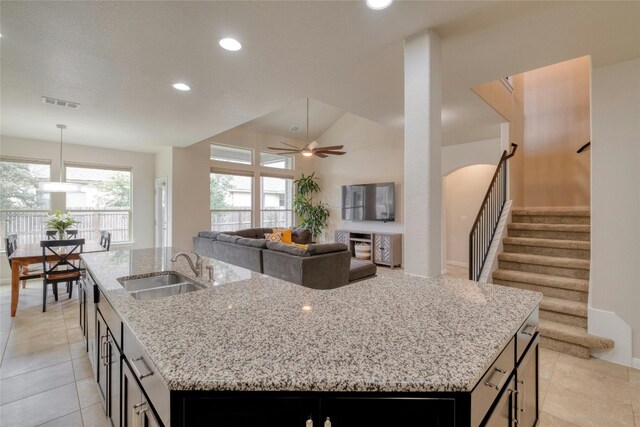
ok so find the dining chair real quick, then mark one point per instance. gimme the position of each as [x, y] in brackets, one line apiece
[105, 239]
[27, 272]
[72, 233]
[52, 234]
[60, 267]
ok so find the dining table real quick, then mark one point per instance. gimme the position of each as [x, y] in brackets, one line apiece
[32, 254]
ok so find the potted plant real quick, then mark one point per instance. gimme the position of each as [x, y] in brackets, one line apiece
[60, 221]
[314, 216]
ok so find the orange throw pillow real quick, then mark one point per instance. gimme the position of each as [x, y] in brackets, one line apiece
[286, 234]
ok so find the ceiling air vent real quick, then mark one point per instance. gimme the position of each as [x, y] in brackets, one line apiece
[294, 128]
[60, 102]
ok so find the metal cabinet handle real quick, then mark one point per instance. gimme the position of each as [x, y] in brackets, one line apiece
[524, 396]
[137, 418]
[502, 381]
[135, 368]
[514, 405]
[530, 329]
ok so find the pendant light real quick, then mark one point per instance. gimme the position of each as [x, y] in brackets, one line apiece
[59, 186]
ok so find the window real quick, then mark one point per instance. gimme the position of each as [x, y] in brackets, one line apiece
[103, 204]
[224, 153]
[231, 201]
[22, 207]
[276, 202]
[279, 161]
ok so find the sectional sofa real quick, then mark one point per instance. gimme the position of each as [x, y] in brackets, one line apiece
[318, 266]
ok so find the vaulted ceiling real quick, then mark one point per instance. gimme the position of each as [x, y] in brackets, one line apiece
[119, 60]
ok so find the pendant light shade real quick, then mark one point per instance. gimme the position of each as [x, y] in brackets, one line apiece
[59, 186]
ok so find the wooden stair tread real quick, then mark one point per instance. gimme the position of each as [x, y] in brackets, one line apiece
[575, 263]
[547, 243]
[573, 334]
[576, 228]
[542, 280]
[564, 306]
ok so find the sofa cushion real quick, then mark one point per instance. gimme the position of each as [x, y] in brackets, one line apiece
[301, 236]
[361, 269]
[273, 237]
[286, 234]
[254, 243]
[222, 237]
[326, 248]
[289, 249]
[209, 234]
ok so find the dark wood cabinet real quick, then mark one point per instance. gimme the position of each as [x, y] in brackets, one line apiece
[250, 410]
[384, 412]
[503, 413]
[108, 368]
[527, 386]
[136, 410]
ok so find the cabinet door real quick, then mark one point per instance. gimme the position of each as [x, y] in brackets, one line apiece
[503, 413]
[342, 237]
[385, 412]
[248, 411]
[382, 249]
[113, 360]
[83, 312]
[101, 358]
[527, 383]
[131, 399]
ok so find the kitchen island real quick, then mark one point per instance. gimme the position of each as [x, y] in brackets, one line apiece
[249, 349]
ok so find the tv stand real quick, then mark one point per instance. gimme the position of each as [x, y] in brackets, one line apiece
[386, 248]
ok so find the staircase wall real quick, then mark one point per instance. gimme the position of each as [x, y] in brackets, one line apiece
[557, 123]
[615, 154]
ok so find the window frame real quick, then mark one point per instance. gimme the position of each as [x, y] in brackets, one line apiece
[290, 157]
[233, 147]
[251, 210]
[129, 211]
[262, 210]
[30, 214]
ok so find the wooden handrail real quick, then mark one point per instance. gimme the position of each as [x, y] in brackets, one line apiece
[486, 222]
[584, 147]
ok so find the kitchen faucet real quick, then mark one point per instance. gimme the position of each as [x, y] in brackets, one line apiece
[197, 268]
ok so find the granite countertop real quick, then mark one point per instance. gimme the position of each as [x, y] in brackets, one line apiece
[247, 331]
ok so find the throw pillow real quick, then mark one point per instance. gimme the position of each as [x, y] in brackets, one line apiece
[299, 246]
[273, 237]
[286, 234]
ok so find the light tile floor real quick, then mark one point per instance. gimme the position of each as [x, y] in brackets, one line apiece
[46, 379]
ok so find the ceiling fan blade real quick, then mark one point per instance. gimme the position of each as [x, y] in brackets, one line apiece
[336, 153]
[285, 143]
[284, 149]
[320, 155]
[332, 147]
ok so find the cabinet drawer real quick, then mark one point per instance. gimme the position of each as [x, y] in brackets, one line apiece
[526, 333]
[147, 374]
[492, 382]
[111, 319]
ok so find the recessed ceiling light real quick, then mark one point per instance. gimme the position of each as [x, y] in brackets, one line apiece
[181, 86]
[378, 4]
[230, 44]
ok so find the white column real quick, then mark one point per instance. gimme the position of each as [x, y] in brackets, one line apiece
[422, 155]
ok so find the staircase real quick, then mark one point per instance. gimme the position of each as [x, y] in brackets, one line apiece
[548, 251]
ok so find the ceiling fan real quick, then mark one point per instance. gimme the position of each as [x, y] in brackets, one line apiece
[312, 148]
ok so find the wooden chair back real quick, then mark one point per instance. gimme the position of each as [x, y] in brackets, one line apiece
[62, 252]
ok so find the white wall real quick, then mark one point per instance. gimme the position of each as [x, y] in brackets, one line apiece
[615, 191]
[374, 154]
[485, 152]
[141, 164]
[464, 191]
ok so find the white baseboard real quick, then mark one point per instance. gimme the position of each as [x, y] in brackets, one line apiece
[608, 324]
[636, 362]
[458, 263]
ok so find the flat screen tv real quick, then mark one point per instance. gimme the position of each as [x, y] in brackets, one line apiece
[369, 202]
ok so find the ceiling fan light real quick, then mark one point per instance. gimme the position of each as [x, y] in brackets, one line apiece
[307, 153]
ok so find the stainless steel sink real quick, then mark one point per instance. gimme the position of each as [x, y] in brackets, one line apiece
[160, 285]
